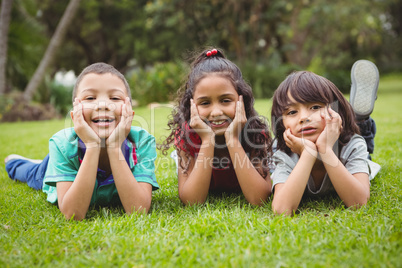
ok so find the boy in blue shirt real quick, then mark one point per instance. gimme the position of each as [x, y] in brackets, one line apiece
[103, 160]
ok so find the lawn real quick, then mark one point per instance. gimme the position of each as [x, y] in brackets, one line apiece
[224, 232]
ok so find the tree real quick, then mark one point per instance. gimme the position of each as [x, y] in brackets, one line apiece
[5, 16]
[51, 50]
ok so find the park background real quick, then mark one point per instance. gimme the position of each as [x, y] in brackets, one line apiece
[43, 43]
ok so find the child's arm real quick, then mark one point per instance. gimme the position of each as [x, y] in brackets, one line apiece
[194, 184]
[287, 196]
[134, 195]
[74, 197]
[354, 190]
[255, 188]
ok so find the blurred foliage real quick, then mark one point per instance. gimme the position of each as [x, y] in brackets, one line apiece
[26, 43]
[57, 94]
[267, 39]
[157, 83]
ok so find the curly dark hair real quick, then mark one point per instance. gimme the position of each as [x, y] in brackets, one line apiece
[306, 87]
[255, 143]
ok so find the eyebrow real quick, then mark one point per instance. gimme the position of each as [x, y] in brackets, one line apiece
[221, 96]
[111, 89]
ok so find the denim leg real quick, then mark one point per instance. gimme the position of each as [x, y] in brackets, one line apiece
[26, 171]
[368, 130]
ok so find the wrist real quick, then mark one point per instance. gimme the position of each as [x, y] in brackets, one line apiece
[324, 149]
[232, 141]
[309, 152]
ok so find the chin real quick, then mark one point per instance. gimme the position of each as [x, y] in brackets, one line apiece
[104, 133]
[219, 132]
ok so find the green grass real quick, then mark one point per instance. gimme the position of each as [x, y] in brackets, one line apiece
[224, 232]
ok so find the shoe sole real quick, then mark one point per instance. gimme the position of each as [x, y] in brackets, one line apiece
[365, 80]
[19, 157]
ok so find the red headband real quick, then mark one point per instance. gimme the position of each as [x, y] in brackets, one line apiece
[212, 52]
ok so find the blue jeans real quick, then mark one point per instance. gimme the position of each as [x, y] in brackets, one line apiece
[26, 171]
[368, 130]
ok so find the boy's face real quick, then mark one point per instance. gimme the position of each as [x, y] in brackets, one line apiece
[304, 119]
[102, 97]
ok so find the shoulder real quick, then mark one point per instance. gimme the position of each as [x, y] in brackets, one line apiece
[282, 157]
[143, 141]
[66, 139]
[65, 134]
[357, 144]
[140, 135]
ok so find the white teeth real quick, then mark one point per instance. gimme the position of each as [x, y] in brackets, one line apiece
[218, 122]
[103, 120]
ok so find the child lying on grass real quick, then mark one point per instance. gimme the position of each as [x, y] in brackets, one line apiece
[319, 147]
[103, 160]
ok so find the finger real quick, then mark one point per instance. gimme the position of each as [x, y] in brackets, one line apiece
[286, 134]
[242, 110]
[78, 110]
[193, 108]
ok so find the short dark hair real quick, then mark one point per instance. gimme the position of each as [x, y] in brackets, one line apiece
[100, 68]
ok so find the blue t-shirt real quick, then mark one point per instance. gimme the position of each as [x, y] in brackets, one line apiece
[66, 152]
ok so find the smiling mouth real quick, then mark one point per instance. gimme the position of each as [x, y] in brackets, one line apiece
[217, 123]
[105, 120]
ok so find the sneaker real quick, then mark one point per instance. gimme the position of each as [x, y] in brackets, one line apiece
[16, 156]
[374, 169]
[365, 79]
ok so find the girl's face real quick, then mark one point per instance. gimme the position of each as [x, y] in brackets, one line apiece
[102, 97]
[304, 119]
[215, 98]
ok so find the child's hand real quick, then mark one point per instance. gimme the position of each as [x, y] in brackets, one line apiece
[298, 145]
[81, 127]
[331, 132]
[201, 128]
[240, 119]
[120, 133]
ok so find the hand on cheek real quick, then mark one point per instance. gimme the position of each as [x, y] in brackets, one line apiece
[298, 145]
[81, 127]
[331, 132]
[120, 133]
[240, 119]
[198, 125]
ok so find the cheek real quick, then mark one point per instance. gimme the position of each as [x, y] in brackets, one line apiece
[231, 110]
[286, 122]
[202, 112]
[87, 110]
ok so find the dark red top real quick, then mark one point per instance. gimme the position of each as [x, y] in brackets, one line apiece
[223, 178]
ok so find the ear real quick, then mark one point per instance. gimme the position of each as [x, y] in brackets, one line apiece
[72, 115]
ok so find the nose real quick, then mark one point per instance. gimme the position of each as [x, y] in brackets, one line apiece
[105, 106]
[304, 116]
[216, 111]
[102, 105]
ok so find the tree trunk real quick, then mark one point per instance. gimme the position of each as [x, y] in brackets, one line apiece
[5, 16]
[51, 50]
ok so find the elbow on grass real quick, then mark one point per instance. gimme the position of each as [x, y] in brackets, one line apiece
[256, 202]
[139, 211]
[358, 203]
[283, 210]
[192, 201]
[73, 216]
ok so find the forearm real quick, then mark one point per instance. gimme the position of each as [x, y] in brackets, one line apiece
[352, 191]
[287, 199]
[194, 188]
[255, 188]
[76, 200]
[133, 196]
